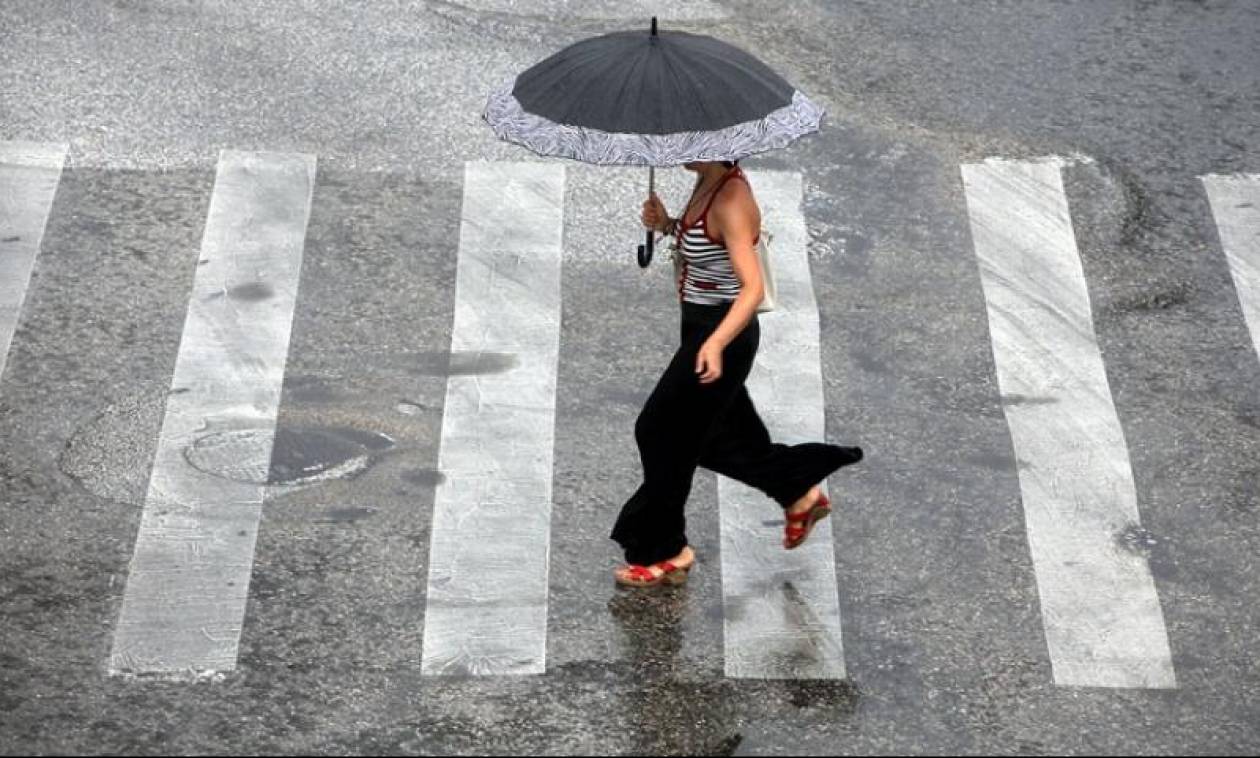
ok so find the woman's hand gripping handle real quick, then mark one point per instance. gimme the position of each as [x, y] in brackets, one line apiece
[655, 216]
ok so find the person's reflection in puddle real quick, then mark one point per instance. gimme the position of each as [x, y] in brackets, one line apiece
[651, 622]
[664, 707]
[671, 712]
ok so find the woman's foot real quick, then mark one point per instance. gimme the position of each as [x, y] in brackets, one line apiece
[806, 502]
[803, 514]
[672, 571]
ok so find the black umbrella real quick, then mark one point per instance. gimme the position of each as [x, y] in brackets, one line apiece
[650, 99]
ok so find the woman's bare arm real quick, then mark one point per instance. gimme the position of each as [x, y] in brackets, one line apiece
[738, 220]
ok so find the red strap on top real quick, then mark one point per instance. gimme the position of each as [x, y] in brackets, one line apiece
[645, 572]
[640, 572]
[735, 171]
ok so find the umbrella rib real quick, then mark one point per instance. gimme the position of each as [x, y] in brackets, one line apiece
[742, 95]
[771, 79]
[630, 77]
[613, 62]
[683, 73]
[551, 81]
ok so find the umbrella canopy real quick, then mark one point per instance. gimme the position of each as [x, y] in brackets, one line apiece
[650, 99]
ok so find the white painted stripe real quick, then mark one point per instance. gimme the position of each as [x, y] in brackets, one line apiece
[782, 611]
[1235, 202]
[487, 596]
[1104, 626]
[185, 598]
[29, 175]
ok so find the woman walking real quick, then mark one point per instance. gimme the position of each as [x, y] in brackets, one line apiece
[700, 413]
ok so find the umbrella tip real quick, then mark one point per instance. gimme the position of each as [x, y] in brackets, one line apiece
[654, 26]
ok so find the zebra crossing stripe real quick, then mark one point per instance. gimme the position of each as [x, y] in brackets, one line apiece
[185, 598]
[781, 608]
[1235, 202]
[487, 591]
[29, 175]
[1102, 617]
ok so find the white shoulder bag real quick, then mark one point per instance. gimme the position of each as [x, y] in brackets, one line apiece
[769, 300]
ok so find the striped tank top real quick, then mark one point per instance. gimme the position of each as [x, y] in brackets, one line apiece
[708, 278]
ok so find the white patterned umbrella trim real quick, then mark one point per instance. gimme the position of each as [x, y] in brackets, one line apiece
[511, 122]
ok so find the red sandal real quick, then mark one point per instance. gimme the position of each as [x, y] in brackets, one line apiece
[795, 535]
[642, 576]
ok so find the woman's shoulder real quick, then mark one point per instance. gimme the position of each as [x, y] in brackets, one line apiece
[736, 196]
[734, 204]
[736, 191]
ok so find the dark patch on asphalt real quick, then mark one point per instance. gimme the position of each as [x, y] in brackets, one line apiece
[11, 239]
[411, 407]
[869, 363]
[837, 695]
[463, 363]
[425, 477]
[592, 669]
[1028, 400]
[1137, 201]
[345, 515]
[10, 661]
[251, 292]
[1247, 497]
[10, 703]
[1249, 418]
[1156, 300]
[29, 594]
[306, 388]
[727, 745]
[857, 245]
[1135, 539]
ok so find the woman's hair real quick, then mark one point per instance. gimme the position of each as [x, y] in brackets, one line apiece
[728, 164]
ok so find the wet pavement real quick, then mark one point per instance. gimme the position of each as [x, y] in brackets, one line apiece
[943, 633]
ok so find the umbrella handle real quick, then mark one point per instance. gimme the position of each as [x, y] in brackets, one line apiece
[645, 250]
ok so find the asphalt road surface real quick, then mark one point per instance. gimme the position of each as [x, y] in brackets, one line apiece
[271, 482]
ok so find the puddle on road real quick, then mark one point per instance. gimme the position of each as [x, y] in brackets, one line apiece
[463, 363]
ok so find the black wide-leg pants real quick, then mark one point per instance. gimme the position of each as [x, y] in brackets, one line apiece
[685, 424]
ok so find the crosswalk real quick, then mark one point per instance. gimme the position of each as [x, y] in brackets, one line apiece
[487, 599]
[29, 173]
[1236, 206]
[189, 580]
[1103, 622]
[781, 609]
